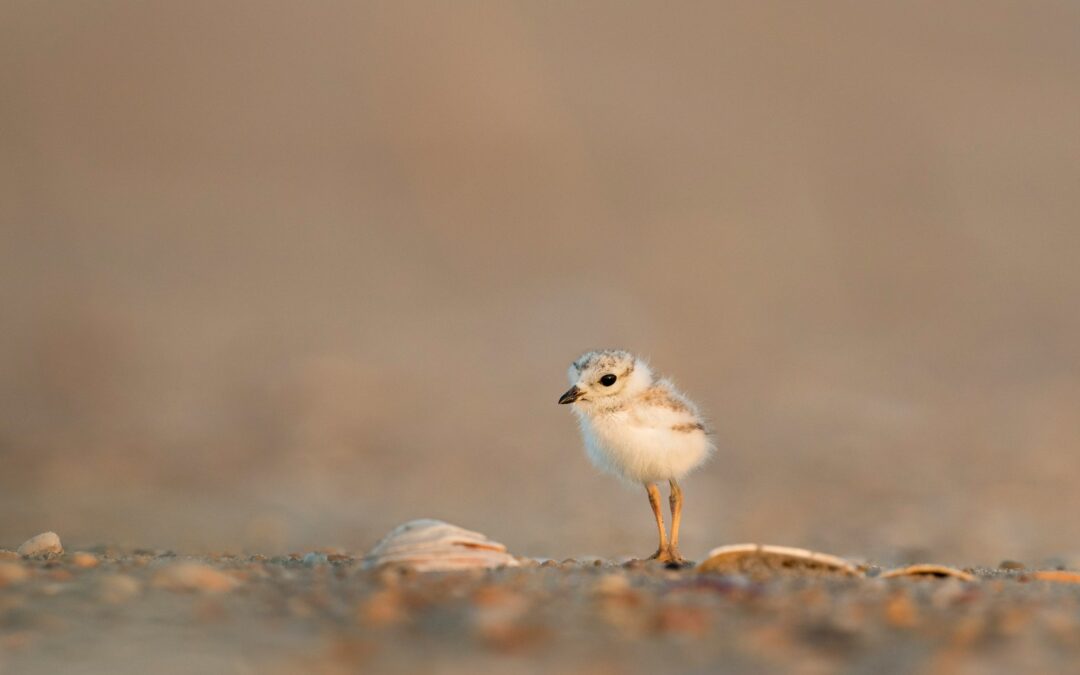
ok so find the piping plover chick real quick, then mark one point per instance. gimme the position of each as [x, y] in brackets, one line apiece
[639, 428]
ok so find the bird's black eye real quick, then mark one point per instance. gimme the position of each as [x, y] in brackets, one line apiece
[607, 380]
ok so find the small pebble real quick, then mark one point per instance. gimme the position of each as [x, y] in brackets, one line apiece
[52, 588]
[46, 544]
[612, 584]
[12, 573]
[691, 621]
[84, 560]
[208, 610]
[312, 559]
[193, 577]
[60, 575]
[118, 588]
[1011, 565]
[18, 640]
[385, 607]
[900, 611]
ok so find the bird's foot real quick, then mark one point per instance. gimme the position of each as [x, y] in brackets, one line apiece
[670, 557]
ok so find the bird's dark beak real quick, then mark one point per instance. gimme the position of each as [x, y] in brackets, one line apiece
[571, 395]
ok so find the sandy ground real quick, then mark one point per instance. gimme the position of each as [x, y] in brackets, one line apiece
[126, 611]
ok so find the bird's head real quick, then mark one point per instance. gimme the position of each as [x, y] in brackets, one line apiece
[604, 379]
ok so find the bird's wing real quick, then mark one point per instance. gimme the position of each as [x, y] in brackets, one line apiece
[661, 406]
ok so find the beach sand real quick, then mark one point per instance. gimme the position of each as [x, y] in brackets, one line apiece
[129, 611]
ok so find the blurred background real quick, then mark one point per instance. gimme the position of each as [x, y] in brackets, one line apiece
[277, 275]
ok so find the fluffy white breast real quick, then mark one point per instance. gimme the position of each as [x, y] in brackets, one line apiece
[644, 441]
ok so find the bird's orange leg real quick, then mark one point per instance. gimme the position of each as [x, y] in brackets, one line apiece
[662, 553]
[676, 517]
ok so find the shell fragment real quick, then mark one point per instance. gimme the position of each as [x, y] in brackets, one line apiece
[762, 560]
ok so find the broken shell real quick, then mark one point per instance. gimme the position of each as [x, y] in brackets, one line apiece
[761, 560]
[429, 545]
[928, 570]
[1059, 576]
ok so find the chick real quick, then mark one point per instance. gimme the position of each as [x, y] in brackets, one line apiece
[640, 429]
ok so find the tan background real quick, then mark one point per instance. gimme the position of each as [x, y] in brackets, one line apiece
[280, 275]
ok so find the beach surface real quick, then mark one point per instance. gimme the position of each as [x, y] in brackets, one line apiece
[130, 611]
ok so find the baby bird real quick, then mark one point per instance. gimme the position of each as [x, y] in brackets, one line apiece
[639, 428]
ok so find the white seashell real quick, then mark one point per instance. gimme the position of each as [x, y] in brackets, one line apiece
[429, 545]
[765, 560]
